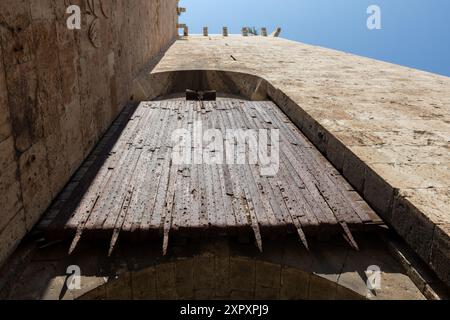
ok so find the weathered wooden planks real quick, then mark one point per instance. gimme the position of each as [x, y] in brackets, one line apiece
[141, 192]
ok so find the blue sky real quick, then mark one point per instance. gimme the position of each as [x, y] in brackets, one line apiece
[415, 33]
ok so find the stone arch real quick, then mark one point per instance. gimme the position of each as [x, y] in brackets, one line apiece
[219, 277]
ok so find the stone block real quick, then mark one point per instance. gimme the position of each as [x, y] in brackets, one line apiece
[166, 281]
[5, 120]
[10, 194]
[416, 229]
[264, 293]
[96, 294]
[379, 194]
[440, 254]
[185, 278]
[42, 9]
[204, 294]
[58, 93]
[294, 284]
[347, 294]
[204, 272]
[414, 175]
[322, 289]
[315, 133]
[89, 285]
[56, 290]
[17, 37]
[34, 180]
[7, 154]
[39, 280]
[242, 274]
[268, 275]
[433, 202]
[10, 191]
[335, 152]
[296, 114]
[242, 295]
[26, 118]
[351, 282]
[222, 276]
[330, 259]
[10, 236]
[354, 170]
[144, 284]
[57, 163]
[119, 288]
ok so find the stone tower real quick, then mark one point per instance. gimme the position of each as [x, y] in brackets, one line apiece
[85, 121]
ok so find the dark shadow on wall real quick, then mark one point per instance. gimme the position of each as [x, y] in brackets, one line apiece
[226, 268]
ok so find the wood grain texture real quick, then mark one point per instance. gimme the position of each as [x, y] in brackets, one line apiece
[141, 191]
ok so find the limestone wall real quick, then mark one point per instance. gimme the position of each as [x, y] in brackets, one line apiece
[61, 89]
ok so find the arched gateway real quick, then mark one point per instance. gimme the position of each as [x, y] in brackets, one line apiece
[140, 223]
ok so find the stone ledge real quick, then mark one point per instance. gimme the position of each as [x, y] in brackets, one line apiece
[440, 251]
